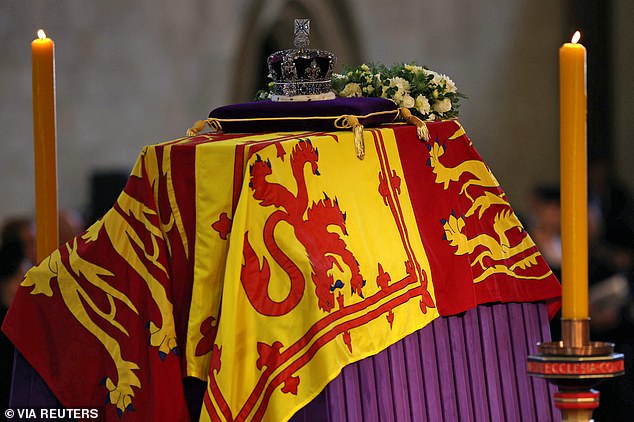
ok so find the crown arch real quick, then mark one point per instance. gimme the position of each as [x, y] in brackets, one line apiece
[268, 27]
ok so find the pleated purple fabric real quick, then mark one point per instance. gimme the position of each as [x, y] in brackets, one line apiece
[470, 367]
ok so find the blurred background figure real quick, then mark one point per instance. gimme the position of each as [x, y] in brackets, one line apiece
[71, 223]
[612, 242]
[611, 253]
[17, 237]
[544, 224]
[22, 230]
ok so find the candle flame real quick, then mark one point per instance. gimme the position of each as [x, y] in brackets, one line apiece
[576, 37]
[41, 34]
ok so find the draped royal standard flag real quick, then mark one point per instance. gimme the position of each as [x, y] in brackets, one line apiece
[265, 263]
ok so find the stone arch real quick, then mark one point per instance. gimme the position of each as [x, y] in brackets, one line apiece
[268, 27]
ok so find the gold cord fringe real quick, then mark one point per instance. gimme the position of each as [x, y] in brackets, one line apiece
[341, 122]
[421, 128]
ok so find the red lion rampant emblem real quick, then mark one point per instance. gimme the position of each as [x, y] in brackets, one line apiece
[326, 249]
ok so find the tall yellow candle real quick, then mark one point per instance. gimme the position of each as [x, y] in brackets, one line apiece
[45, 145]
[574, 213]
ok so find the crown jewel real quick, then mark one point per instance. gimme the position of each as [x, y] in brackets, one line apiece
[301, 74]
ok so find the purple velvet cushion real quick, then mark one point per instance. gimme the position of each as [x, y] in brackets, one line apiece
[327, 115]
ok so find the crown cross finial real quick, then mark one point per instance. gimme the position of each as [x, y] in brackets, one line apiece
[302, 33]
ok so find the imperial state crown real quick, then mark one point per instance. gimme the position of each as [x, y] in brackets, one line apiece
[301, 73]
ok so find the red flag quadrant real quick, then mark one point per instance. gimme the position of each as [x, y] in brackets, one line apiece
[481, 251]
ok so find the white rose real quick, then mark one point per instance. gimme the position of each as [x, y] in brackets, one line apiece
[351, 90]
[442, 106]
[407, 101]
[422, 104]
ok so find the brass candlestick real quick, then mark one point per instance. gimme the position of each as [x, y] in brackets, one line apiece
[576, 364]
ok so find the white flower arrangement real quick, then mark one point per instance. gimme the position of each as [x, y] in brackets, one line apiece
[428, 94]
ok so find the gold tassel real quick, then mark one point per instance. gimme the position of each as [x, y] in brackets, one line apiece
[196, 128]
[357, 131]
[350, 121]
[200, 125]
[359, 144]
[421, 128]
